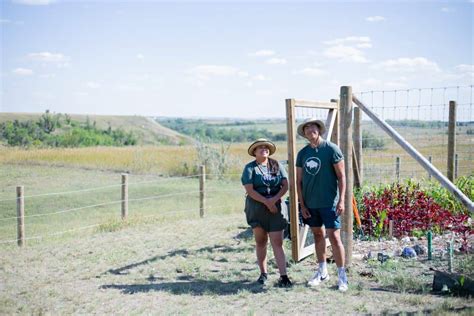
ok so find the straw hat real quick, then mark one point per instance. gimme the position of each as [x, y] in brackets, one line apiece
[320, 124]
[259, 142]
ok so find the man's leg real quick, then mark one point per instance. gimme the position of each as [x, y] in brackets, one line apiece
[339, 255]
[334, 236]
[319, 243]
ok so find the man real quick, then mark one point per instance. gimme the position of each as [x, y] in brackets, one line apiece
[321, 185]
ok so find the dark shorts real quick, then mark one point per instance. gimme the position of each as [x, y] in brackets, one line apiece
[258, 215]
[323, 216]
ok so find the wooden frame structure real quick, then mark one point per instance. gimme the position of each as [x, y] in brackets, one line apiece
[299, 234]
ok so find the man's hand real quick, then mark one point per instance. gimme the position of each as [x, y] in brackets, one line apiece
[305, 213]
[340, 207]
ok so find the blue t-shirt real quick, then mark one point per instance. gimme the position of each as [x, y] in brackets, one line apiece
[263, 181]
[319, 183]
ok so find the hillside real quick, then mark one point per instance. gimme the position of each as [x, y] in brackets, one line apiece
[148, 130]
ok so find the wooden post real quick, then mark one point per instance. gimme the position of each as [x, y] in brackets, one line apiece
[202, 188]
[451, 139]
[430, 160]
[456, 165]
[20, 213]
[293, 209]
[358, 146]
[390, 229]
[397, 168]
[346, 147]
[124, 196]
[335, 137]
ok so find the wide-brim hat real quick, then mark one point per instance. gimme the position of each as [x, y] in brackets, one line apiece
[259, 142]
[322, 127]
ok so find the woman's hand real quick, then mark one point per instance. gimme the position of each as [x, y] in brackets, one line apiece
[270, 204]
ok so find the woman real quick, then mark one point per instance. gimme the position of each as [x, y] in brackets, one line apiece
[265, 182]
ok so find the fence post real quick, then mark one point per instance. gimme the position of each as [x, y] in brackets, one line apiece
[124, 196]
[336, 133]
[456, 165]
[346, 147]
[397, 168]
[451, 139]
[20, 213]
[358, 146]
[390, 229]
[202, 192]
[429, 159]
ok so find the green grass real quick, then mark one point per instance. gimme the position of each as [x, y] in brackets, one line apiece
[164, 260]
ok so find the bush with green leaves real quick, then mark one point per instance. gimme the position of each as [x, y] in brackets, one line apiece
[46, 132]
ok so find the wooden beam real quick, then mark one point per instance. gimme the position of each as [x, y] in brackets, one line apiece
[346, 148]
[315, 104]
[293, 207]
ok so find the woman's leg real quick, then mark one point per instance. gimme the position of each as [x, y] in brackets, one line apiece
[276, 239]
[261, 240]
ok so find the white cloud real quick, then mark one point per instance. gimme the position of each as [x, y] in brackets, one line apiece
[447, 10]
[403, 64]
[465, 68]
[376, 18]
[243, 74]
[23, 72]
[93, 85]
[358, 40]
[348, 49]
[262, 53]
[309, 71]
[207, 71]
[49, 58]
[345, 54]
[260, 77]
[34, 2]
[47, 76]
[364, 45]
[276, 61]
[140, 56]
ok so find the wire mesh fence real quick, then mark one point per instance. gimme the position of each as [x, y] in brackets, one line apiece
[421, 117]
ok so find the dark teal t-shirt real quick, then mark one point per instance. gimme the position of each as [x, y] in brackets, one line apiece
[319, 177]
[262, 180]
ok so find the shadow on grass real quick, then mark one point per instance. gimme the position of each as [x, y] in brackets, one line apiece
[184, 253]
[196, 287]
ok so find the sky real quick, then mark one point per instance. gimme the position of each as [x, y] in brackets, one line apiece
[222, 58]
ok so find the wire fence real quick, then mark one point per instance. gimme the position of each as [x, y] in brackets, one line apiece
[184, 196]
[421, 116]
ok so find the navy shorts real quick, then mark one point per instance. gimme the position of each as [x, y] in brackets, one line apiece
[323, 216]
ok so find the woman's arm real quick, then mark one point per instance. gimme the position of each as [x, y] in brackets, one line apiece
[260, 198]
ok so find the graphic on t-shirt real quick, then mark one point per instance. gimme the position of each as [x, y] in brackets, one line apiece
[312, 165]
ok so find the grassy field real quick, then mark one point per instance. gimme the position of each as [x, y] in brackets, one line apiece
[165, 259]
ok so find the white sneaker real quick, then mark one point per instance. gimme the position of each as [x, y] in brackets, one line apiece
[342, 282]
[317, 278]
[342, 285]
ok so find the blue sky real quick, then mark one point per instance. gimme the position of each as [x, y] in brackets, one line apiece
[222, 58]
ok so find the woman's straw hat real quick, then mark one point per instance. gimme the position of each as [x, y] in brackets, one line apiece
[259, 142]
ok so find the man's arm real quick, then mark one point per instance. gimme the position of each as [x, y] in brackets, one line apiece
[299, 190]
[341, 183]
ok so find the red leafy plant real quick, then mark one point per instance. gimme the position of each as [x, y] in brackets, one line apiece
[411, 210]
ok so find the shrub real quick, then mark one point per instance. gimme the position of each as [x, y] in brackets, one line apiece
[411, 210]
